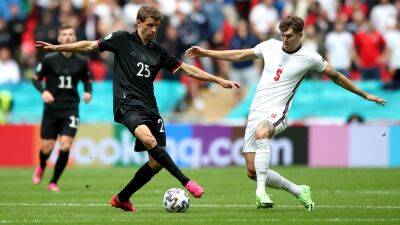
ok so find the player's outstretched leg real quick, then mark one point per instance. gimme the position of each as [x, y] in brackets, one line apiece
[158, 153]
[162, 157]
[301, 192]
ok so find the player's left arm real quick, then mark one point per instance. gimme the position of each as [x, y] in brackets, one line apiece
[87, 83]
[344, 82]
[199, 74]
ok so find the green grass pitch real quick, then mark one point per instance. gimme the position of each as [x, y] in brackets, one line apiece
[342, 196]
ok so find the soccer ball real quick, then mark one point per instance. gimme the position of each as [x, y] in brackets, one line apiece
[176, 200]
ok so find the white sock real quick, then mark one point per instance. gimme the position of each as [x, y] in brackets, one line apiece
[275, 180]
[261, 163]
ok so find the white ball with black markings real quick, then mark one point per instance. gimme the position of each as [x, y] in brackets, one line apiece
[176, 200]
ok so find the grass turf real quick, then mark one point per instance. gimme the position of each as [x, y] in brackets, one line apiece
[342, 196]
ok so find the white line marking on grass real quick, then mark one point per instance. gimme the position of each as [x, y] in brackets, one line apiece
[211, 220]
[206, 205]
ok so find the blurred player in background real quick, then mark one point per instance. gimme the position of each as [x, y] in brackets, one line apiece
[61, 72]
[137, 62]
[286, 63]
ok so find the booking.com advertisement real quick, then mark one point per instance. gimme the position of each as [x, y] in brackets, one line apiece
[195, 146]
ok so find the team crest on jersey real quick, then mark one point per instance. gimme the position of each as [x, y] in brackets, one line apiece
[108, 36]
[39, 67]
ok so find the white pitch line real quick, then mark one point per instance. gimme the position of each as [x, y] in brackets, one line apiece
[205, 205]
[211, 220]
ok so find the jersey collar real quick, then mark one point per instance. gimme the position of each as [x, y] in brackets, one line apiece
[139, 40]
[292, 52]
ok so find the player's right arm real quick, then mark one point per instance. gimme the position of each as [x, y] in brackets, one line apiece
[80, 46]
[41, 72]
[227, 55]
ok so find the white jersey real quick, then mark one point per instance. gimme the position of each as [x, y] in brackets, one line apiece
[281, 76]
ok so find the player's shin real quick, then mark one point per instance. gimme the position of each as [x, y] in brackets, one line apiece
[142, 177]
[61, 163]
[43, 159]
[275, 180]
[162, 157]
[261, 163]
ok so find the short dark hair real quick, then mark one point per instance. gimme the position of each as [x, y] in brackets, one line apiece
[65, 26]
[147, 11]
[294, 22]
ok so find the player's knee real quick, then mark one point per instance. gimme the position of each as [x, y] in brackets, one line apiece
[149, 142]
[264, 130]
[65, 146]
[47, 147]
[262, 133]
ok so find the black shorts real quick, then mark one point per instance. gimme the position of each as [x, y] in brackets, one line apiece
[54, 125]
[131, 118]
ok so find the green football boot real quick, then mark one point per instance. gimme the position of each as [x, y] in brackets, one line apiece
[305, 197]
[263, 201]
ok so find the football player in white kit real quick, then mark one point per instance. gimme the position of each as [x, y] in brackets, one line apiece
[286, 63]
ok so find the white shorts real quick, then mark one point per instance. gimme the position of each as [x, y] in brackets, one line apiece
[255, 118]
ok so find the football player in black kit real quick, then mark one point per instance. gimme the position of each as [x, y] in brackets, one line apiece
[137, 60]
[61, 71]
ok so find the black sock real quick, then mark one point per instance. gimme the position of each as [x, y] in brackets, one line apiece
[43, 158]
[142, 176]
[162, 157]
[60, 165]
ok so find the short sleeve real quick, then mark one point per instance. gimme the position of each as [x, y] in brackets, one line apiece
[168, 61]
[42, 69]
[319, 64]
[112, 41]
[258, 49]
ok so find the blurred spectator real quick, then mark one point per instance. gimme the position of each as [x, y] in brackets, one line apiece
[212, 9]
[316, 18]
[6, 105]
[5, 34]
[358, 18]
[383, 15]
[370, 47]
[351, 6]
[264, 18]
[392, 38]
[129, 12]
[16, 26]
[7, 9]
[339, 46]
[46, 30]
[244, 72]
[329, 9]
[9, 70]
[296, 7]
[355, 118]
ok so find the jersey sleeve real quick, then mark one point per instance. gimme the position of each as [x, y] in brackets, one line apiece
[42, 69]
[169, 62]
[258, 49]
[318, 63]
[112, 41]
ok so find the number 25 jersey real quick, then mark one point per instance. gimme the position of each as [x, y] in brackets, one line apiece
[135, 68]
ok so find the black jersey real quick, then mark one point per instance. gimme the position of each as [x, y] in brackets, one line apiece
[135, 68]
[62, 75]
